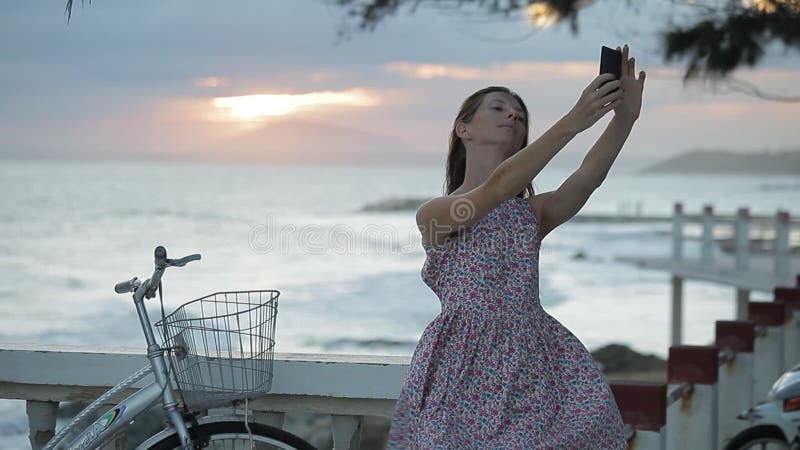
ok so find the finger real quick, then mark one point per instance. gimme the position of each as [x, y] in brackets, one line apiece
[632, 67]
[642, 76]
[600, 80]
[625, 62]
[618, 94]
[609, 107]
[608, 87]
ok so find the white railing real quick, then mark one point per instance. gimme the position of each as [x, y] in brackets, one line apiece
[757, 253]
[347, 387]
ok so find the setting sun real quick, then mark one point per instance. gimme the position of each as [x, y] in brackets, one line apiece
[252, 107]
[541, 14]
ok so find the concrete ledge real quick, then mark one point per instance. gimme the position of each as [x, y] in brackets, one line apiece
[343, 376]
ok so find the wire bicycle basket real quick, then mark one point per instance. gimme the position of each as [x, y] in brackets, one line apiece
[222, 346]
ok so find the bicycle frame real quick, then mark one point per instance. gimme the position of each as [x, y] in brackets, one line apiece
[118, 417]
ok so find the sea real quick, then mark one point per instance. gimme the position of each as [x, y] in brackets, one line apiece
[337, 244]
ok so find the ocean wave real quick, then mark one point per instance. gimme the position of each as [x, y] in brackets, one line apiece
[778, 187]
[394, 204]
[191, 215]
[377, 343]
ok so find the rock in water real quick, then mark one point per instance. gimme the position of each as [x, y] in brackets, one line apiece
[394, 204]
[620, 358]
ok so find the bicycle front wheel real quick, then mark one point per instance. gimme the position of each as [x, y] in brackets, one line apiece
[233, 436]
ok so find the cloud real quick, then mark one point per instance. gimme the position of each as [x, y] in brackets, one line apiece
[729, 108]
[210, 82]
[513, 71]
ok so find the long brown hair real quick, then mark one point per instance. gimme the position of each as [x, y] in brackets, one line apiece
[457, 155]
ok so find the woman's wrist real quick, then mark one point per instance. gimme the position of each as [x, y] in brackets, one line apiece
[566, 126]
[625, 118]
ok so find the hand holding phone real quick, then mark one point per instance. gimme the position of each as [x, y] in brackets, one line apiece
[611, 62]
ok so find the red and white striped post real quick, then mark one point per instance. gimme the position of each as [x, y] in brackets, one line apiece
[643, 406]
[692, 399]
[736, 341]
[770, 318]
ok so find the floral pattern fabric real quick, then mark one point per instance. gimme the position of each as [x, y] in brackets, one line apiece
[493, 370]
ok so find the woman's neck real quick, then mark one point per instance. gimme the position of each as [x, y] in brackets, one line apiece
[479, 169]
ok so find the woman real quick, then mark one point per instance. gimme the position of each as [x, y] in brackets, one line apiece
[494, 370]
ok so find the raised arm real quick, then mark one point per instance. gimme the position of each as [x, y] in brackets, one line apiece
[595, 101]
[557, 207]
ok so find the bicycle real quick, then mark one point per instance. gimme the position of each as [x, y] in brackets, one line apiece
[220, 352]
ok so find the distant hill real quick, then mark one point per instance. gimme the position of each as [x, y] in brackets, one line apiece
[721, 161]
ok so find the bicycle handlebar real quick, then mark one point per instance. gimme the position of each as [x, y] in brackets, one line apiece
[161, 263]
[125, 286]
[180, 262]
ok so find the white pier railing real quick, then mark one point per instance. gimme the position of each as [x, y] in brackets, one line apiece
[748, 253]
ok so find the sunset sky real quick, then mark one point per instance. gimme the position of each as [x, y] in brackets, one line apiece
[261, 81]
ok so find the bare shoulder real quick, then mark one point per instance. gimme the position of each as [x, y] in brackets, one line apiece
[439, 217]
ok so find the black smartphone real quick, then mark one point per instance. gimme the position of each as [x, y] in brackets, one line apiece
[611, 62]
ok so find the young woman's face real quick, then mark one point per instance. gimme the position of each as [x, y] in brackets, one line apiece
[499, 120]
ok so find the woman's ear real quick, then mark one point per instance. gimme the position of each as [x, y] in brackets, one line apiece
[461, 130]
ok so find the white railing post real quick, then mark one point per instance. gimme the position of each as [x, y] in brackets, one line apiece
[770, 318]
[781, 248]
[736, 340]
[41, 422]
[742, 263]
[742, 236]
[706, 249]
[677, 310]
[692, 416]
[677, 282]
[677, 231]
[346, 432]
[643, 407]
